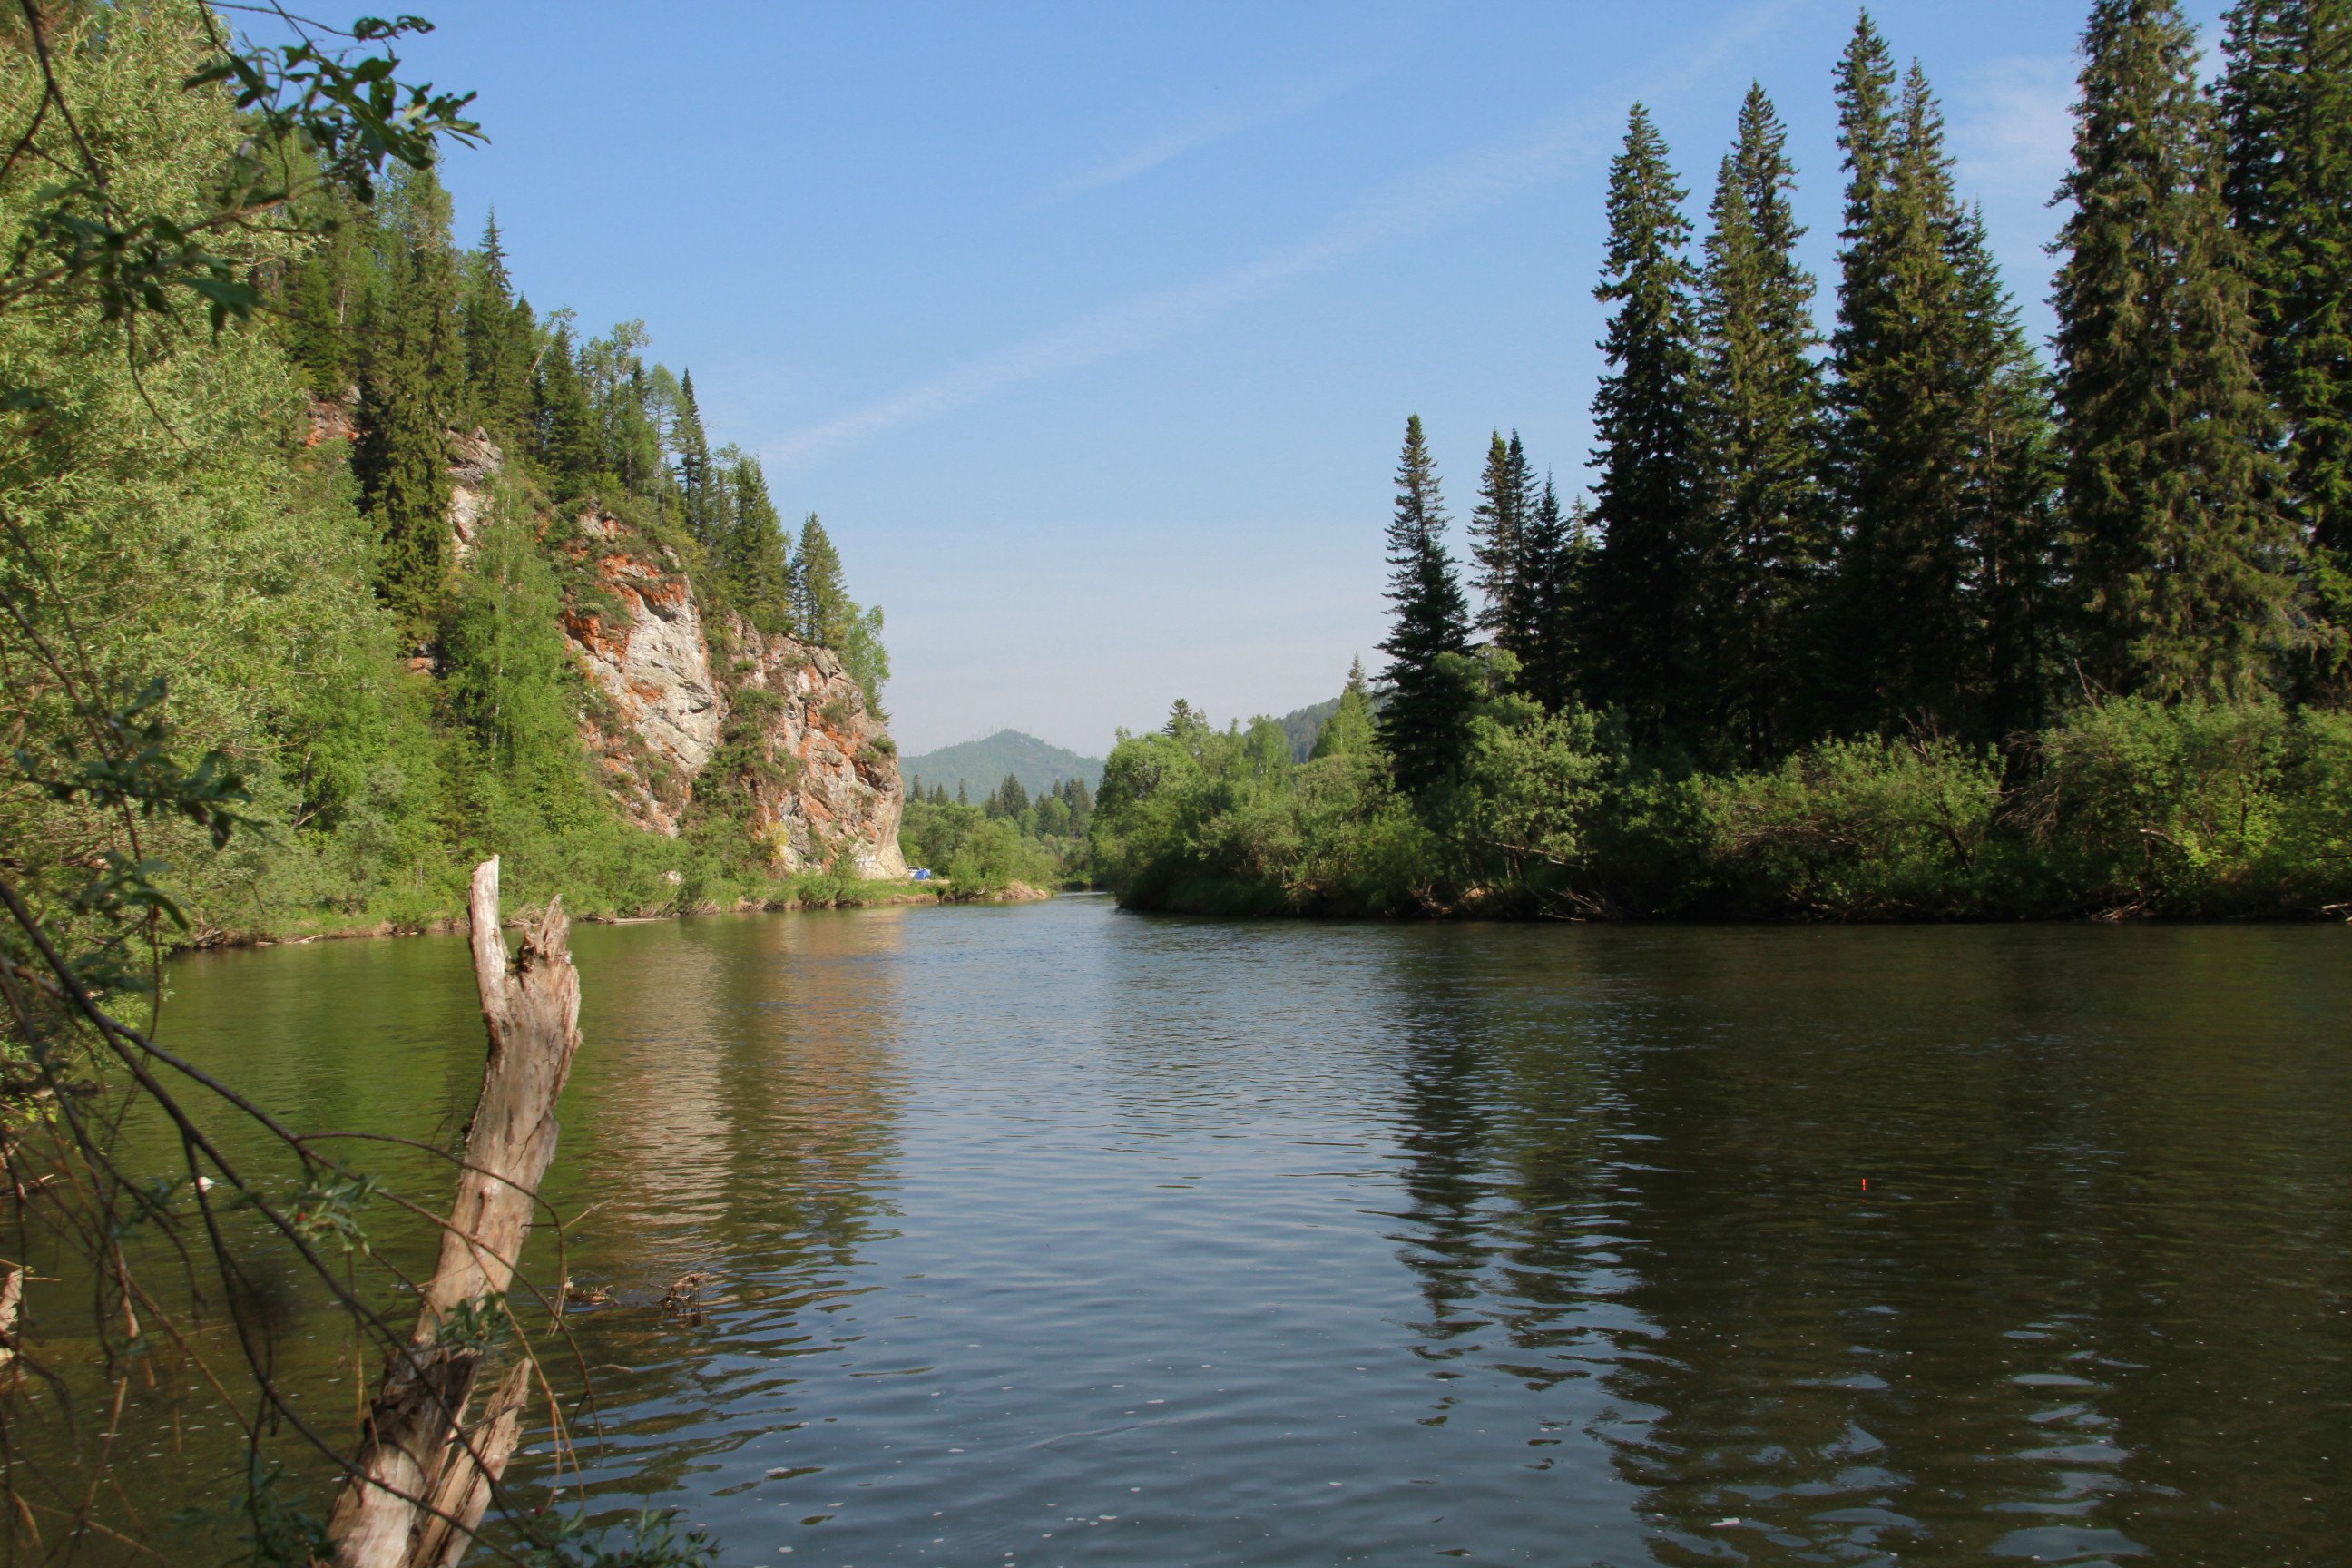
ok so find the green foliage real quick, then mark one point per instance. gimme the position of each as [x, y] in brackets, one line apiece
[1498, 539]
[1636, 609]
[513, 694]
[1764, 542]
[411, 385]
[1938, 456]
[981, 848]
[1420, 722]
[2181, 551]
[2286, 102]
[1350, 728]
[2135, 808]
[501, 339]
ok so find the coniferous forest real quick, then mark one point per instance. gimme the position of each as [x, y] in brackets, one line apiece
[1886, 614]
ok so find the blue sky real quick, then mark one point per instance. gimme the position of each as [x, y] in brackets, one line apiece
[1091, 330]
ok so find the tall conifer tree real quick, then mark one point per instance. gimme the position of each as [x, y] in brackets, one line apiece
[1637, 618]
[413, 378]
[1763, 544]
[692, 447]
[1498, 525]
[2180, 549]
[2287, 103]
[1349, 729]
[565, 421]
[757, 573]
[1555, 552]
[820, 599]
[1934, 446]
[502, 341]
[2010, 489]
[1421, 723]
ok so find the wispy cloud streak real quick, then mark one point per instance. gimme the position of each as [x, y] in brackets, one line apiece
[1465, 183]
[1201, 133]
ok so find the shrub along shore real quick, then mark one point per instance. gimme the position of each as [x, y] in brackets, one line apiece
[2129, 808]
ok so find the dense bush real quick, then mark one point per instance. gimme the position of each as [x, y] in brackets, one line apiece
[2129, 807]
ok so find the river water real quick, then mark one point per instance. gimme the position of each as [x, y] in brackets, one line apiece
[1054, 1235]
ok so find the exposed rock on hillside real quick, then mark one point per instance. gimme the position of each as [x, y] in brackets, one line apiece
[639, 638]
[825, 775]
[334, 418]
[475, 464]
[811, 771]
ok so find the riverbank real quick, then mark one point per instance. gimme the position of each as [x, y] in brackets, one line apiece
[863, 895]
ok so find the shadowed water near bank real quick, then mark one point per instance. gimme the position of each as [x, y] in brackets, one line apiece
[1052, 1234]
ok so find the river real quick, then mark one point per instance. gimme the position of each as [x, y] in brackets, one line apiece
[1055, 1234]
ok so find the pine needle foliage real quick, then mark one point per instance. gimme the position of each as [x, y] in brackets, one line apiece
[1637, 618]
[1498, 527]
[1935, 452]
[2286, 105]
[1420, 723]
[414, 379]
[1557, 551]
[1762, 546]
[2181, 553]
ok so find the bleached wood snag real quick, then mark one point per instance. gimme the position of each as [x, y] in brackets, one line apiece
[423, 1475]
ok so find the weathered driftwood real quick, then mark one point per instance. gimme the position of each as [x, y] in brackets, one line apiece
[423, 1477]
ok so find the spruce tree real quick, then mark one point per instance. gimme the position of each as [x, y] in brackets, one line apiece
[1763, 544]
[2180, 550]
[2010, 491]
[2286, 101]
[1349, 729]
[564, 424]
[1498, 525]
[412, 381]
[1937, 461]
[1898, 647]
[692, 450]
[317, 338]
[757, 574]
[1635, 619]
[501, 340]
[821, 609]
[1420, 724]
[1556, 552]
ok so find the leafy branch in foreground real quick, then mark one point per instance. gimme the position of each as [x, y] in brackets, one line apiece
[315, 116]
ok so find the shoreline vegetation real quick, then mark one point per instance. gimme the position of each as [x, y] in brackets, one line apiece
[819, 895]
[1897, 622]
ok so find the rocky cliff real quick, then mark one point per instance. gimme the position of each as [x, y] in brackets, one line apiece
[682, 712]
[800, 754]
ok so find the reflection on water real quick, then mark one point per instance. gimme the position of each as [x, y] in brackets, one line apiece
[1055, 1234]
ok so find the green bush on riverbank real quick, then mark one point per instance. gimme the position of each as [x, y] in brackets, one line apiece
[2131, 807]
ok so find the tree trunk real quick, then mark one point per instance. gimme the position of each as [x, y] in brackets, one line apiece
[422, 1477]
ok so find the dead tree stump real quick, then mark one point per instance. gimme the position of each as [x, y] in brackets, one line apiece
[422, 1478]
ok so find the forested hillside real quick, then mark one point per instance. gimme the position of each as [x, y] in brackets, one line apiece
[1895, 618]
[435, 574]
[973, 768]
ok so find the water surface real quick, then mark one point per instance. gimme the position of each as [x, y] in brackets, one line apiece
[1054, 1235]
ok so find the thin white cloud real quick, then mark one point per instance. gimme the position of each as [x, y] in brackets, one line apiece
[2015, 131]
[1201, 133]
[1468, 183]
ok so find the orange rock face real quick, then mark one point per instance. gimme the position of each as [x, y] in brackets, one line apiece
[824, 780]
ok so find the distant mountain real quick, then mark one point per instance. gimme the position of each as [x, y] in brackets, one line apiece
[980, 765]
